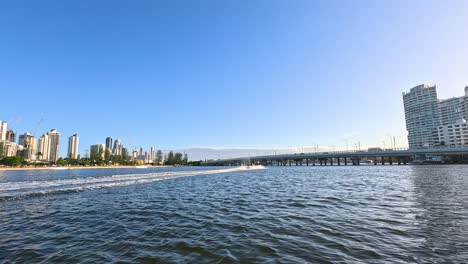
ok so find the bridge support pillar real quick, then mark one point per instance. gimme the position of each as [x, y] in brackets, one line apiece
[345, 161]
[338, 159]
[313, 162]
[382, 159]
[390, 160]
[325, 162]
[307, 162]
[321, 162]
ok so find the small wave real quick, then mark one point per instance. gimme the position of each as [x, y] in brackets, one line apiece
[19, 190]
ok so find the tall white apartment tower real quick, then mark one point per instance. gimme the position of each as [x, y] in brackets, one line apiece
[152, 155]
[422, 115]
[73, 143]
[3, 130]
[49, 146]
[44, 147]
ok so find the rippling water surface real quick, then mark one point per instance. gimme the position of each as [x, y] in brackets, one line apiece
[353, 214]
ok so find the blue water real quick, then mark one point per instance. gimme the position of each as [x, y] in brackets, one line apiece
[353, 214]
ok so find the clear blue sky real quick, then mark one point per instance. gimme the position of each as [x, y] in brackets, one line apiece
[261, 74]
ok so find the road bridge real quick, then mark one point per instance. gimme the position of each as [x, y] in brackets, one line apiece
[397, 156]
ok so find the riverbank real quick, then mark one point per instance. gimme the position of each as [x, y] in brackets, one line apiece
[74, 168]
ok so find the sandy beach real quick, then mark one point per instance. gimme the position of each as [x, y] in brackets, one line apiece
[74, 168]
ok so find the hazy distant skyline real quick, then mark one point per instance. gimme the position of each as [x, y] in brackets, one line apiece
[226, 74]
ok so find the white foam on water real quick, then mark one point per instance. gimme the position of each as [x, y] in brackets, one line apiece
[12, 190]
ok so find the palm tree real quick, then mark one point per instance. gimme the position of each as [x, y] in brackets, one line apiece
[38, 155]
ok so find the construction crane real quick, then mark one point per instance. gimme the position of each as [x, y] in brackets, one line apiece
[14, 122]
[131, 150]
[38, 125]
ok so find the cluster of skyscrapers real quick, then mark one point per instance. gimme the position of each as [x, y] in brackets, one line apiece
[47, 148]
[102, 150]
[435, 123]
[117, 149]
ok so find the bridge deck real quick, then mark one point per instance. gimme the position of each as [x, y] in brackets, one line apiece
[344, 154]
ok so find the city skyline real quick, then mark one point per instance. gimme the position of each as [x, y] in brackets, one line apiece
[430, 122]
[259, 76]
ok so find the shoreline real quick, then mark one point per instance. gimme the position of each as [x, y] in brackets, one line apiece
[75, 168]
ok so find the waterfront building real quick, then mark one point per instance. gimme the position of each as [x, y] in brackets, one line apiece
[23, 152]
[422, 115]
[465, 103]
[8, 148]
[125, 153]
[152, 154]
[454, 135]
[73, 144]
[426, 116]
[97, 151]
[3, 130]
[28, 143]
[49, 146]
[118, 147]
[451, 110]
[10, 136]
[134, 155]
[109, 144]
[44, 147]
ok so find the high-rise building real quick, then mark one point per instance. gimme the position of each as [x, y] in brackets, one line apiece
[152, 155]
[10, 136]
[118, 146]
[29, 144]
[109, 144]
[73, 143]
[422, 115]
[49, 146]
[134, 155]
[125, 153]
[97, 151]
[54, 145]
[452, 110]
[428, 120]
[3, 130]
[44, 147]
[465, 103]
